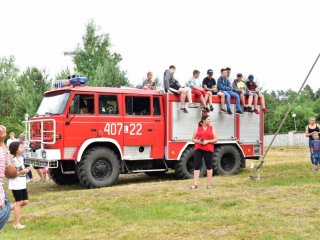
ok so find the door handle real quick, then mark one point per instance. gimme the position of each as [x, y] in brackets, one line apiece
[157, 120]
[150, 129]
[93, 129]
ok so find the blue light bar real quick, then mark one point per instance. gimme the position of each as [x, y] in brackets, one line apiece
[78, 80]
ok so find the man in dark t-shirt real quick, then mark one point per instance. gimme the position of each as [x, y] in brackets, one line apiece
[209, 84]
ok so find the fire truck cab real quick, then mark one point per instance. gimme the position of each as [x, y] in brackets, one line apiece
[92, 134]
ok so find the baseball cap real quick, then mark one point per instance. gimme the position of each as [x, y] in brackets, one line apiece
[210, 71]
[250, 77]
[239, 75]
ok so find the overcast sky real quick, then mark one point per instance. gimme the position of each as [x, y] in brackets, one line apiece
[277, 41]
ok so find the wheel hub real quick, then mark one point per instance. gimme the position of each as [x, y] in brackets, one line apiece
[227, 162]
[101, 169]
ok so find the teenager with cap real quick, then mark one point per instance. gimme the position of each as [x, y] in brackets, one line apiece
[240, 87]
[196, 88]
[210, 85]
[172, 85]
[253, 88]
[224, 85]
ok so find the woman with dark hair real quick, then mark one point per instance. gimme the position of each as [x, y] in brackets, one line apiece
[204, 137]
[6, 170]
[18, 185]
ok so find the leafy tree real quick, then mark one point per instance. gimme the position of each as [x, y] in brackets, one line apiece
[63, 74]
[32, 84]
[8, 75]
[317, 93]
[94, 59]
[309, 90]
[109, 75]
[8, 68]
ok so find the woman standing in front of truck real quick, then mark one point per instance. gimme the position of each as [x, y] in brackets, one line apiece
[204, 137]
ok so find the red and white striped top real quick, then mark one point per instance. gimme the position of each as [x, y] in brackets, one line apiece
[4, 163]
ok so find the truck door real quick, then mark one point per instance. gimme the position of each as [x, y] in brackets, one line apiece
[158, 128]
[142, 128]
[110, 117]
[80, 122]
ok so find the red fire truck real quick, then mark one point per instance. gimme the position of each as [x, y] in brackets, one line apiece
[92, 134]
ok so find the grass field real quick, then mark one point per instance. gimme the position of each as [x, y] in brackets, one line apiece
[284, 204]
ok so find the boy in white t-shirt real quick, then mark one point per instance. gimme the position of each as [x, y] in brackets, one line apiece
[18, 185]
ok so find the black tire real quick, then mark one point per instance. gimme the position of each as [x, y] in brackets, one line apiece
[185, 166]
[63, 179]
[99, 167]
[226, 160]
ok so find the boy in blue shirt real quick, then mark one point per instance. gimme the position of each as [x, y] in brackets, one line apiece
[224, 85]
[315, 151]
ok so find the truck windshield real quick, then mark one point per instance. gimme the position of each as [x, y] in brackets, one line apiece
[53, 104]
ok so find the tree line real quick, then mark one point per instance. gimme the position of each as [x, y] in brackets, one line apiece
[21, 92]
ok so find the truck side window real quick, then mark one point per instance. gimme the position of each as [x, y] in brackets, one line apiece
[108, 105]
[82, 104]
[156, 106]
[137, 105]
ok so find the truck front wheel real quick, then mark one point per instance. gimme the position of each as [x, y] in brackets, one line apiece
[226, 160]
[99, 167]
[185, 166]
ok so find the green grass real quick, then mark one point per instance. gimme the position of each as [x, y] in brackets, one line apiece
[284, 204]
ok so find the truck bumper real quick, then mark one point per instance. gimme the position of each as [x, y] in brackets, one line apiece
[43, 157]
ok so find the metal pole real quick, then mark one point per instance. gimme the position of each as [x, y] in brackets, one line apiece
[254, 176]
[295, 125]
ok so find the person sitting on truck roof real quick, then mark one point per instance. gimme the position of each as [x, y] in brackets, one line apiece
[253, 88]
[196, 88]
[224, 85]
[149, 83]
[240, 87]
[209, 84]
[172, 85]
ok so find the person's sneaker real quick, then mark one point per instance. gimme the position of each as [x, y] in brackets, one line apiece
[314, 169]
[250, 110]
[19, 226]
[184, 110]
[211, 108]
[209, 187]
[265, 110]
[193, 187]
[245, 109]
[192, 105]
[239, 112]
[223, 110]
[256, 111]
[229, 112]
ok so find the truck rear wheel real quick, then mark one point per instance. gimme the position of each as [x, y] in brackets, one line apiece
[99, 167]
[226, 160]
[63, 179]
[185, 166]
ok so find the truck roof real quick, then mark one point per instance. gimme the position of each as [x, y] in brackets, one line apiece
[105, 90]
